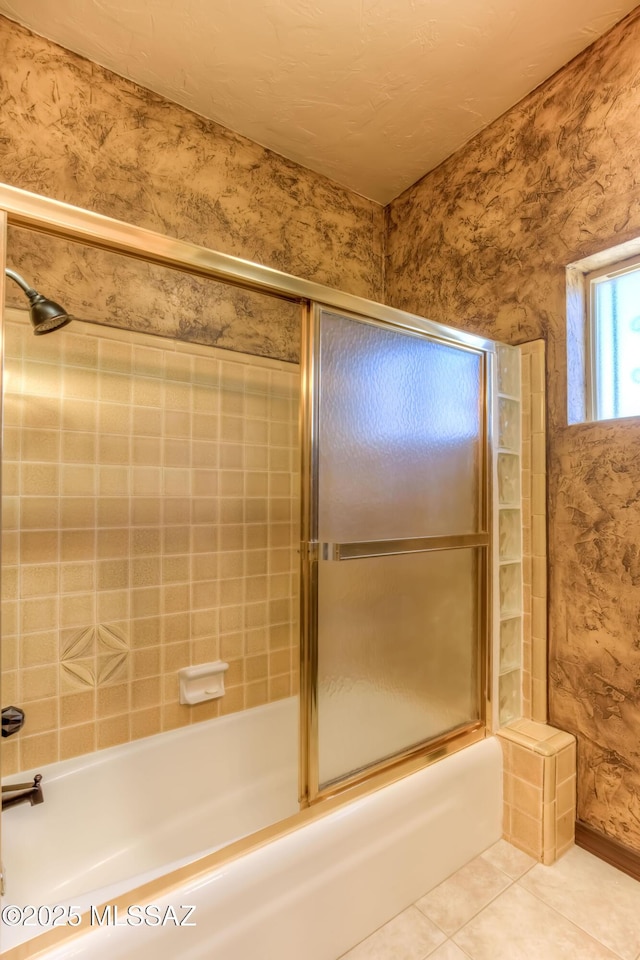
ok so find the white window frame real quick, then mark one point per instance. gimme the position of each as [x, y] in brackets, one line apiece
[592, 279]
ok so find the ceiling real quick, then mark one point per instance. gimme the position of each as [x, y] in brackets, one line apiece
[372, 93]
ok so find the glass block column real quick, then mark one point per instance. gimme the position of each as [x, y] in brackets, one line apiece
[508, 540]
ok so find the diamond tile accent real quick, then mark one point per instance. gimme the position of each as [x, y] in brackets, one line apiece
[80, 674]
[84, 662]
[80, 645]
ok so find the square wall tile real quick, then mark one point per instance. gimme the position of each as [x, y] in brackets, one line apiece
[148, 525]
[539, 788]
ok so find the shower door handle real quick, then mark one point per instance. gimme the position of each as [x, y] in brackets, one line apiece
[358, 550]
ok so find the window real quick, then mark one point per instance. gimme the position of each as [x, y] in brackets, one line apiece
[614, 340]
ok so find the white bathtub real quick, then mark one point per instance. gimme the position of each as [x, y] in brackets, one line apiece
[312, 893]
[116, 818]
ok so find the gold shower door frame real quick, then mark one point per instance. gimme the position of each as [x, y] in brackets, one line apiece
[30, 211]
[312, 552]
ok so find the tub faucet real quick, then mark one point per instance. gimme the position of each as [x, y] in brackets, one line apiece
[15, 793]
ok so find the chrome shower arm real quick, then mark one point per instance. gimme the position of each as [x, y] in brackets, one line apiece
[30, 292]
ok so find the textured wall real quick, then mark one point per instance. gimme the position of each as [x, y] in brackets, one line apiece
[482, 242]
[76, 132]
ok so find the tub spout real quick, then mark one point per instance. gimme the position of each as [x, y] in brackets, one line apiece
[15, 793]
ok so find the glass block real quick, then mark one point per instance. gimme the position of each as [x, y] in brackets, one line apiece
[510, 644]
[509, 697]
[508, 424]
[397, 655]
[508, 363]
[509, 534]
[399, 435]
[510, 590]
[508, 478]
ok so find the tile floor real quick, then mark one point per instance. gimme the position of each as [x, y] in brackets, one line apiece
[505, 906]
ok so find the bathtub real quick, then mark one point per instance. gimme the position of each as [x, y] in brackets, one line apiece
[313, 892]
[122, 816]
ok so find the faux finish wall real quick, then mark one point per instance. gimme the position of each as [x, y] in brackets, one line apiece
[482, 242]
[76, 132]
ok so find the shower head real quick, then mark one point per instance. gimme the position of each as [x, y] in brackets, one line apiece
[45, 314]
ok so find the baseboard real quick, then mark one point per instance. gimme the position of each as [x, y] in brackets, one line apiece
[608, 849]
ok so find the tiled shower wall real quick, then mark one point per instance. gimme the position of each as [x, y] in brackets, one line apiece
[150, 522]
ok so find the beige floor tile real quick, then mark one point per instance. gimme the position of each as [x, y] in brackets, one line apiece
[509, 859]
[593, 894]
[448, 951]
[453, 902]
[409, 936]
[518, 926]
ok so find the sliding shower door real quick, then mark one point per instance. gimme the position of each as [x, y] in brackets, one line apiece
[396, 544]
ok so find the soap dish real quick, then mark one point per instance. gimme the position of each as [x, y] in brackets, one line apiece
[202, 682]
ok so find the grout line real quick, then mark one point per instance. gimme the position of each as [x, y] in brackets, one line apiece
[500, 894]
[479, 910]
[504, 873]
[451, 940]
[546, 904]
[575, 923]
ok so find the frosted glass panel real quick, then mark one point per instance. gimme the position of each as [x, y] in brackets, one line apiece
[397, 654]
[399, 434]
